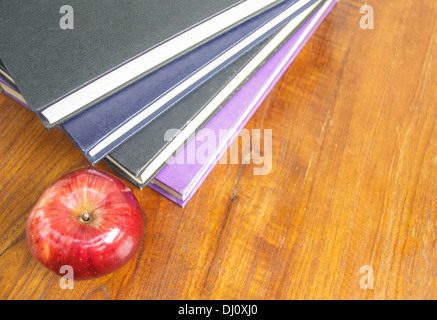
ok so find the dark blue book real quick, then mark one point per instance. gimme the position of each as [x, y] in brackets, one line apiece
[100, 129]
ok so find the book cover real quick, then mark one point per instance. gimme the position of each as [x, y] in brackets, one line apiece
[179, 180]
[141, 157]
[63, 68]
[101, 128]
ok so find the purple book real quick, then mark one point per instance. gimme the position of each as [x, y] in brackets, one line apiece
[180, 179]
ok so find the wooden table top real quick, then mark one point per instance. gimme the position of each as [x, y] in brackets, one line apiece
[350, 200]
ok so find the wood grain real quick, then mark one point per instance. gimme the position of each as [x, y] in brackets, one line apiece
[353, 183]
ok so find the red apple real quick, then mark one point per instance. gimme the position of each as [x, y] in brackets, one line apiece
[89, 220]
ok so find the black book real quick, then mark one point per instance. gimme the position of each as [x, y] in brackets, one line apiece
[65, 58]
[141, 157]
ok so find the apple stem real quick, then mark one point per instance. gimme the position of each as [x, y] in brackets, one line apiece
[85, 216]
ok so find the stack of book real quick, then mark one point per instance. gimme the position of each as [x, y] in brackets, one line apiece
[133, 82]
